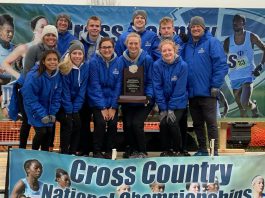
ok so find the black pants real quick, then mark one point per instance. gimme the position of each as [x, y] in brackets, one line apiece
[133, 126]
[170, 132]
[41, 138]
[69, 133]
[86, 144]
[203, 109]
[25, 127]
[104, 132]
[183, 125]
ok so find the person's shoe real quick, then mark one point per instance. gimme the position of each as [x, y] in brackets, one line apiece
[142, 155]
[108, 155]
[201, 153]
[98, 155]
[169, 153]
[139, 155]
[134, 154]
[185, 153]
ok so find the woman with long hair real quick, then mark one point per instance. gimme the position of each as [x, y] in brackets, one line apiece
[42, 98]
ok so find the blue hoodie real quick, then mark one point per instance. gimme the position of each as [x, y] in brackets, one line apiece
[104, 86]
[90, 46]
[74, 88]
[170, 82]
[150, 42]
[41, 96]
[143, 60]
[64, 40]
[207, 65]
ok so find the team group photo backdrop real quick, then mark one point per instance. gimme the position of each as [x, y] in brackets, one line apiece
[117, 19]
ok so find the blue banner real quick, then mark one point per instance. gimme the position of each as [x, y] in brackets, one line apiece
[222, 176]
[116, 19]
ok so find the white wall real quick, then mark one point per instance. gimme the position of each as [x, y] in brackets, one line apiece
[154, 3]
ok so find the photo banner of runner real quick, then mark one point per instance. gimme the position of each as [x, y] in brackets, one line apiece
[115, 20]
[60, 175]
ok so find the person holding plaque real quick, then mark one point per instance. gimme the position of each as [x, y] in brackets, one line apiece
[170, 75]
[104, 88]
[134, 114]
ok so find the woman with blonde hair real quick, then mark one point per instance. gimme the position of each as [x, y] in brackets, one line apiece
[75, 73]
[135, 114]
[170, 75]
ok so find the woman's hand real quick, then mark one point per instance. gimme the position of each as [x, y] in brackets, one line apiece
[112, 113]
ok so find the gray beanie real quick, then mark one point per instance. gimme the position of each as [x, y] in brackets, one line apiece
[139, 12]
[63, 15]
[76, 45]
[49, 29]
[197, 20]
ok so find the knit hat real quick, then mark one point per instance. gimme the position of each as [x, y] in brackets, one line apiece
[197, 20]
[63, 15]
[139, 12]
[49, 29]
[76, 45]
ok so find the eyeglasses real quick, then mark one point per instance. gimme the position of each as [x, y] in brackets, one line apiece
[106, 47]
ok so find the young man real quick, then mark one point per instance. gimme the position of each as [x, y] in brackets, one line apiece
[207, 68]
[63, 22]
[242, 72]
[90, 40]
[149, 39]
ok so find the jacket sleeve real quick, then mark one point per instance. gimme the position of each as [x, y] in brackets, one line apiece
[95, 92]
[31, 88]
[66, 94]
[30, 59]
[120, 46]
[158, 87]
[56, 97]
[220, 66]
[80, 98]
[178, 99]
[155, 51]
[148, 67]
[118, 87]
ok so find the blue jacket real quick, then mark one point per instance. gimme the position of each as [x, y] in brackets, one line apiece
[150, 42]
[41, 96]
[207, 65]
[145, 61]
[74, 88]
[64, 39]
[104, 87]
[170, 82]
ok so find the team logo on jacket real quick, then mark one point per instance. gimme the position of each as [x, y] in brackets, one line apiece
[201, 51]
[147, 44]
[174, 78]
[116, 71]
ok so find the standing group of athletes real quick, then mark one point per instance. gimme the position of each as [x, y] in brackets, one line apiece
[69, 79]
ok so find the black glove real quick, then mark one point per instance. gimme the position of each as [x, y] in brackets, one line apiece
[52, 118]
[45, 119]
[257, 70]
[214, 92]
[184, 37]
[149, 100]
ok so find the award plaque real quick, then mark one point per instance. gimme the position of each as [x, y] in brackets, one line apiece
[133, 85]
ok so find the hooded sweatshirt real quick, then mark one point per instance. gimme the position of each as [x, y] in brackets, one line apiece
[104, 86]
